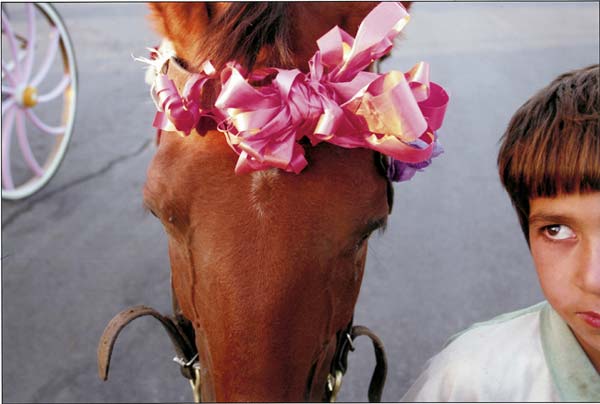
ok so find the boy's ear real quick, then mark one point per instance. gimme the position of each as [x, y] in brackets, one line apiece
[182, 23]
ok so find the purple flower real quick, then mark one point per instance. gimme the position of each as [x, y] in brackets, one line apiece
[399, 171]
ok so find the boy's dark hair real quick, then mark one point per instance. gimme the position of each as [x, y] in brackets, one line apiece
[552, 143]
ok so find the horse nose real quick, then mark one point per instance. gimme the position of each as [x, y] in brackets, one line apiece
[250, 363]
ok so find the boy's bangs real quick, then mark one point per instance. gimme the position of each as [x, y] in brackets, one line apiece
[567, 164]
[552, 144]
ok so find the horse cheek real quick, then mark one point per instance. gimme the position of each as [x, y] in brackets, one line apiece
[181, 278]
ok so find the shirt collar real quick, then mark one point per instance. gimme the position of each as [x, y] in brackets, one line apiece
[574, 376]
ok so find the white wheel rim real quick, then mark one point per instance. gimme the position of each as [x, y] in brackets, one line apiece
[69, 90]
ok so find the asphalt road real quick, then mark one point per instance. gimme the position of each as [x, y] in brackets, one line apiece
[82, 249]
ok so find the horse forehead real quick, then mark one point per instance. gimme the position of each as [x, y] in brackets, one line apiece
[194, 176]
[182, 163]
[262, 186]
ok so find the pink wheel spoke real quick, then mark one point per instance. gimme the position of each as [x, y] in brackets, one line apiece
[8, 74]
[50, 54]
[30, 42]
[7, 127]
[8, 90]
[7, 105]
[25, 148]
[13, 45]
[52, 130]
[56, 91]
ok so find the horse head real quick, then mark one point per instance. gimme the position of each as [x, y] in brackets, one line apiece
[266, 263]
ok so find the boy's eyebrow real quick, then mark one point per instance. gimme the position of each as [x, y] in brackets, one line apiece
[547, 217]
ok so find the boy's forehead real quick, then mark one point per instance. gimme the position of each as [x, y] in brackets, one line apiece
[575, 207]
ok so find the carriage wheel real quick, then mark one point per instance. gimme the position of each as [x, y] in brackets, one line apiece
[38, 96]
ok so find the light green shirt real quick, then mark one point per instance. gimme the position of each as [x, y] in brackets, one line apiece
[526, 355]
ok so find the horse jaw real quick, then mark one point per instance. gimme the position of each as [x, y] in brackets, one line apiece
[265, 265]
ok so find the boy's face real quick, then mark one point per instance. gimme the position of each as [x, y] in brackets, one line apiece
[564, 235]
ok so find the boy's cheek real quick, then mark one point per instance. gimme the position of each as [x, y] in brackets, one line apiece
[552, 267]
[545, 259]
[553, 257]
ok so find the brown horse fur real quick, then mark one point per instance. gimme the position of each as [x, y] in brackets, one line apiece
[266, 265]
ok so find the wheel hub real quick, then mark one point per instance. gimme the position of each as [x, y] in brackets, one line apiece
[28, 97]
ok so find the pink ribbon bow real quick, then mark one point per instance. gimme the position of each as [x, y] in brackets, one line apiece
[336, 102]
[180, 112]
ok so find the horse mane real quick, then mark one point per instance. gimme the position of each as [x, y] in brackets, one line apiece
[266, 33]
[245, 32]
[248, 27]
[222, 33]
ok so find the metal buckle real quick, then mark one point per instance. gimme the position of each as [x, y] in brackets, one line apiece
[196, 387]
[195, 381]
[349, 337]
[334, 384]
[185, 364]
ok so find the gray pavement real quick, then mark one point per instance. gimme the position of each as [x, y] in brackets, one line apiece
[82, 249]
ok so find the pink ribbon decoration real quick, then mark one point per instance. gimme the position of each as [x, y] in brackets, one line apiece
[180, 112]
[395, 114]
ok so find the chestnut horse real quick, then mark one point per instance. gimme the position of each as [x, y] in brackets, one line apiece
[266, 265]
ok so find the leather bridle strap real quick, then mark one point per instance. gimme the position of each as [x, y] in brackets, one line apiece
[380, 371]
[339, 365]
[178, 332]
[181, 335]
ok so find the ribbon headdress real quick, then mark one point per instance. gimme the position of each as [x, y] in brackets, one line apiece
[395, 113]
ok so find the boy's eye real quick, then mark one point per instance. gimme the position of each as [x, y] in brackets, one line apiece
[558, 232]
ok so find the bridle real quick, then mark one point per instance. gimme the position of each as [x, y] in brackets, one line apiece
[339, 365]
[182, 336]
[178, 328]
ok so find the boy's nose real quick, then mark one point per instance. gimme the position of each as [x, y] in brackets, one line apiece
[590, 265]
